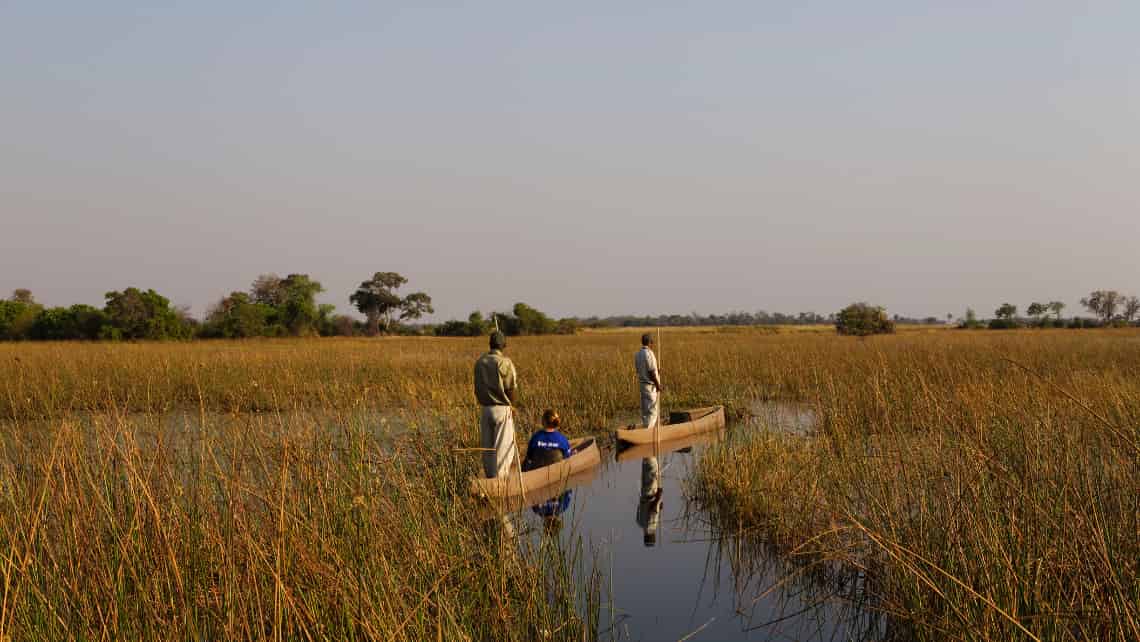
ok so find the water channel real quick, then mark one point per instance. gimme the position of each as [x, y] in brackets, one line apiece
[671, 576]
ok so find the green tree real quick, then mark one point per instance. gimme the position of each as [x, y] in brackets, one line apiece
[1103, 303]
[378, 301]
[567, 325]
[862, 319]
[531, 321]
[81, 322]
[326, 319]
[1037, 310]
[135, 314]
[238, 316]
[415, 305]
[1055, 307]
[1005, 317]
[971, 319]
[477, 324]
[268, 289]
[299, 312]
[1131, 308]
[16, 319]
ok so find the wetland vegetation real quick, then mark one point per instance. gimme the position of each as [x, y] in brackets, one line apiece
[983, 484]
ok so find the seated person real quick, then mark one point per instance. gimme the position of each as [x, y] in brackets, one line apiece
[547, 446]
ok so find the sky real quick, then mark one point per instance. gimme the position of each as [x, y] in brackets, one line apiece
[588, 158]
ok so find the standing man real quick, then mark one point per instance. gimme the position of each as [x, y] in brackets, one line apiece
[495, 391]
[649, 380]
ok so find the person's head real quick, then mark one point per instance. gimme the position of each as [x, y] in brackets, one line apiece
[551, 420]
[498, 341]
[647, 339]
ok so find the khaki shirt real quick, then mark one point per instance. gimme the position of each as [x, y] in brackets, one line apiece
[646, 364]
[494, 377]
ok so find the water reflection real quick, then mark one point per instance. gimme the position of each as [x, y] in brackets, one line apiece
[778, 595]
[551, 512]
[649, 503]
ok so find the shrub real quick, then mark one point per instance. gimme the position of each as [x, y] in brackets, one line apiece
[862, 319]
[1004, 324]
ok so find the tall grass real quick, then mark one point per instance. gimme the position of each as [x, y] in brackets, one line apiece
[987, 482]
[588, 376]
[278, 526]
[989, 487]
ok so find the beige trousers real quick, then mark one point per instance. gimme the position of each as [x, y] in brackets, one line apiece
[497, 432]
[649, 408]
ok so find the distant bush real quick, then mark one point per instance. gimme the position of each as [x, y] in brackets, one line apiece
[1004, 324]
[1078, 323]
[475, 326]
[970, 322]
[566, 326]
[76, 322]
[862, 319]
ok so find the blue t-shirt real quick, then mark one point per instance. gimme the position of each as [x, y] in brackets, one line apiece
[543, 440]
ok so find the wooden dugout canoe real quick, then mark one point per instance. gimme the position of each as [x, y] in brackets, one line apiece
[699, 420]
[585, 457]
[626, 452]
[491, 507]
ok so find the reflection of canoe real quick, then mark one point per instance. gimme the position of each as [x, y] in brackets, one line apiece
[585, 457]
[515, 502]
[692, 422]
[629, 453]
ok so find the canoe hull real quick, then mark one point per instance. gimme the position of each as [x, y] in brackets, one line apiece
[703, 420]
[585, 458]
[628, 452]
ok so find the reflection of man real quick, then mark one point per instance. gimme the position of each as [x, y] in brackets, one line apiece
[648, 380]
[495, 390]
[649, 504]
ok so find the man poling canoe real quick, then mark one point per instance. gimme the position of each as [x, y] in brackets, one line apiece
[495, 384]
[648, 381]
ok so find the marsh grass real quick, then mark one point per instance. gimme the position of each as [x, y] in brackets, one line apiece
[278, 526]
[985, 500]
[307, 489]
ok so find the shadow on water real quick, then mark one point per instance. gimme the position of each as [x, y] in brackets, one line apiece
[671, 575]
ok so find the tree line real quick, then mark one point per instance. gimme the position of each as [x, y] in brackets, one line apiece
[275, 306]
[1109, 308]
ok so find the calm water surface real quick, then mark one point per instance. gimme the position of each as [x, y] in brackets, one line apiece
[671, 576]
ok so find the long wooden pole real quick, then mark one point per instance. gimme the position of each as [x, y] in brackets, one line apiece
[660, 398]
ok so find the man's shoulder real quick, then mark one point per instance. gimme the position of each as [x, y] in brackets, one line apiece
[491, 357]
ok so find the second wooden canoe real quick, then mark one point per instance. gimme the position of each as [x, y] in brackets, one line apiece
[698, 420]
[585, 457]
[628, 452]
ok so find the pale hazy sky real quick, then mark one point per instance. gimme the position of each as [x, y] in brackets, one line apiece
[584, 157]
